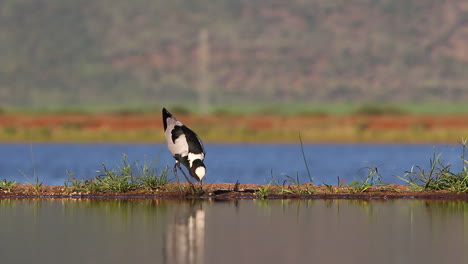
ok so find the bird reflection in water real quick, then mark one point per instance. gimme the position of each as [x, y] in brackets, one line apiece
[185, 236]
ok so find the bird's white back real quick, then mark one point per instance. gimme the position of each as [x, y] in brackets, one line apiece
[180, 145]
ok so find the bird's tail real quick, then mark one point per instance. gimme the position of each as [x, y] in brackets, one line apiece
[166, 113]
[165, 116]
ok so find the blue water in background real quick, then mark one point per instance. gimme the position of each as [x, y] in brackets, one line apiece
[246, 163]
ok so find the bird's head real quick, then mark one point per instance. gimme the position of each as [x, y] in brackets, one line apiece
[198, 169]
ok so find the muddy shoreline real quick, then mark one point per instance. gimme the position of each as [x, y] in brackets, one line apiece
[230, 191]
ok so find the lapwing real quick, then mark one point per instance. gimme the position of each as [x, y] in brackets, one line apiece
[185, 146]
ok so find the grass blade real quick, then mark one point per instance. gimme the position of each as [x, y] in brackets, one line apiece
[305, 160]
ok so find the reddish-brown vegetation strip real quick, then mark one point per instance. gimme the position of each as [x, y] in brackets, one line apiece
[256, 122]
[225, 191]
[238, 128]
[83, 121]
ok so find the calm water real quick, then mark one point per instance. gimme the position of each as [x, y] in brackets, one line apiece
[226, 163]
[244, 231]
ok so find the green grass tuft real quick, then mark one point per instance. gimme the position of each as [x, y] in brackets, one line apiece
[264, 191]
[440, 175]
[124, 178]
[7, 185]
[373, 178]
[292, 185]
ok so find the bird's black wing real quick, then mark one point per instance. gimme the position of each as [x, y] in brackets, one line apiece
[194, 142]
[177, 132]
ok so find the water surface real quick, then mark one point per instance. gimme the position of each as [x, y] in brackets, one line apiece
[248, 163]
[244, 231]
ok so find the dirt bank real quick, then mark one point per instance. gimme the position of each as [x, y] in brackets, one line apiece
[241, 191]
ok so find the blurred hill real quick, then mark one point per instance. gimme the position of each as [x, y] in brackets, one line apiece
[67, 52]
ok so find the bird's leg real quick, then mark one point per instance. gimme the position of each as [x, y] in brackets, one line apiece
[187, 178]
[176, 175]
[175, 171]
[185, 175]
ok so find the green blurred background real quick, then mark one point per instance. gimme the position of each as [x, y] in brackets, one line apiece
[103, 53]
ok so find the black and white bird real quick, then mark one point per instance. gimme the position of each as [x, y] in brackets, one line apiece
[185, 146]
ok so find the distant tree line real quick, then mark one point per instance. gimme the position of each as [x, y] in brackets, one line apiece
[67, 52]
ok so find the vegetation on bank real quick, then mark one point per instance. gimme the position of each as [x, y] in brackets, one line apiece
[322, 132]
[439, 175]
[126, 177]
[147, 179]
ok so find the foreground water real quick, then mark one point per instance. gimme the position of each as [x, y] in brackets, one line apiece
[248, 163]
[243, 231]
